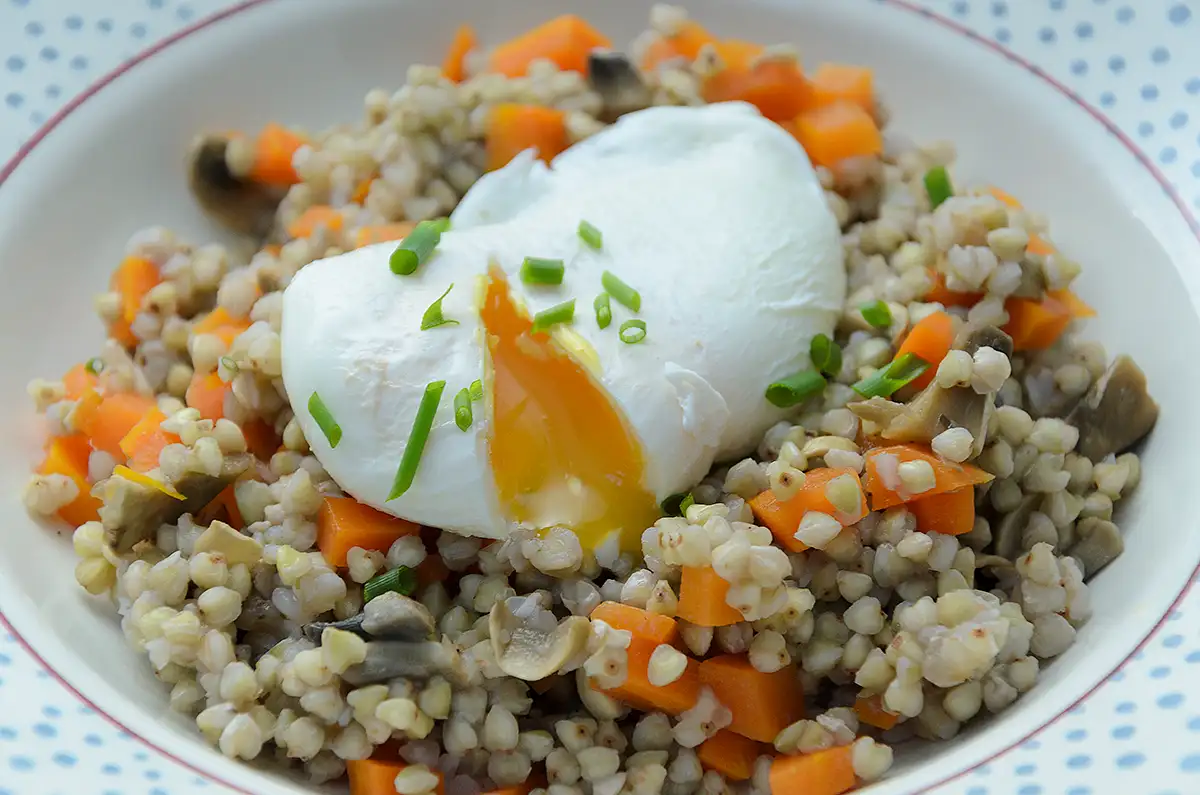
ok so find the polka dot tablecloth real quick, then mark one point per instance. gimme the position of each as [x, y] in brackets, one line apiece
[1137, 62]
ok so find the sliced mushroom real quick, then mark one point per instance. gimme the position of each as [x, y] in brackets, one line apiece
[133, 512]
[932, 411]
[529, 642]
[972, 338]
[389, 616]
[601, 705]
[620, 86]
[354, 624]
[818, 447]
[1010, 530]
[1099, 544]
[992, 562]
[223, 540]
[1116, 412]
[389, 659]
[241, 205]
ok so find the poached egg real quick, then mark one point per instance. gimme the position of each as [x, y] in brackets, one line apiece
[713, 214]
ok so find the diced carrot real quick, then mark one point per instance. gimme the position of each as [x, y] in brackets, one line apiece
[777, 88]
[782, 518]
[871, 712]
[637, 692]
[86, 408]
[642, 623]
[762, 704]
[78, 380]
[836, 132]
[828, 772]
[1036, 325]
[132, 279]
[345, 523]
[931, 339]
[1040, 245]
[837, 82]
[206, 394]
[702, 598]
[361, 190]
[951, 513]
[685, 45]
[511, 129]
[378, 777]
[566, 41]
[948, 476]
[146, 440]
[431, 570]
[1074, 304]
[315, 217]
[941, 294]
[224, 507]
[273, 249]
[261, 439]
[382, 233]
[111, 419]
[1007, 199]
[222, 325]
[454, 67]
[122, 331]
[535, 781]
[68, 455]
[731, 755]
[273, 152]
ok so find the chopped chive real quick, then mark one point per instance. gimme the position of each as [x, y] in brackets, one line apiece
[433, 315]
[401, 579]
[877, 314]
[415, 249]
[885, 381]
[535, 270]
[625, 295]
[603, 306]
[677, 504]
[632, 331]
[422, 424]
[325, 421]
[462, 409]
[590, 235]
[795, 389]
[94, 365]
[476, 389]
[229, 364]
[559, 313]
[938, 186]
[826, 355]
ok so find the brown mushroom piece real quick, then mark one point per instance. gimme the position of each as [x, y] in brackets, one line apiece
[389, 616]
[972, 338]
[389, 659]
[620, 86]
[238, 204]
[133, 512]
[1099, 544]
[932, 411]
[529, 642]
[1010, 530]
[1116, 412]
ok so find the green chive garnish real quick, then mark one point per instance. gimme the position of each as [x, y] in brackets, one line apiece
[938, 186]
[559, 313]
[625, 295]
[422, 424]
[885, 381]
[590, 235]
[229, 364]
[415, 249]
[632, 331]
[535, 270]
[462, 409]
[94, 365]
[677, 504]
[795, 389]
[476, 389]
[401, 579]
[325, 421]
[877, 314]
[826, 355]
[603, 306]
[433, 315]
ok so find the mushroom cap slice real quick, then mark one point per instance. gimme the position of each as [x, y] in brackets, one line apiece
[1011, 527]
[1116, 412]
[1099, 544]
[394, 615]
[389, 659]
[972, 338]
[933, 410]
[530, 643]
[240, 205]
[620, 86]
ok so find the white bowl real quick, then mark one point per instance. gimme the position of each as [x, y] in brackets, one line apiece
[115, 165]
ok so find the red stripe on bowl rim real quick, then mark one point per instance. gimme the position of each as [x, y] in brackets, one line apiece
[905, 5]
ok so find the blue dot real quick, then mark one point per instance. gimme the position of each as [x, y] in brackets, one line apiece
[73, 22]
[1003, 35]
[79, 62]
[1126, 707]
[86, 710]
[1145, 129]
[1025, 770]
[137, 30]
[1178, 120]
[93, 740]
[52, 712]
[1058, 5]
[1194, 656]
[1192, 86]
[34, 28]
[1175, 615]
[1167, 156]
[1170, 700]
[7, 733]
[45, 730]
[1123, 732]
[1108, 99]
[1047, 35]
[1079, 761]
[110, 770]
[1030, 789]
[1124, 15]
[158, 791]
[104, 25]
[999, 10]
[1149, 92]
[1079, 67]
[184, 12]
[153, 775]
[1162, 671]
[1172, 641]
[1190, 764]
[1079, 791]
[1117, 677]
[1117, 64]
[1195, 173]
[155, 4]
[15, 63]
[48, 54]
[977, 791]
[53, 91]
[14, 100]
[1031, 745]
[1130, 760]
[141, 756]
[1194, 724]
[5, 659]
[1160, 55]
[20, 763]
[1084, 30]
[63, 759]
[1077, 735]
[1179, 14]
[41, 673]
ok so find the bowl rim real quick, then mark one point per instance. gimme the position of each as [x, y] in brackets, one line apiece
[946, 23]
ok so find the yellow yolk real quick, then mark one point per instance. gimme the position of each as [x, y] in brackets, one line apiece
[560, 451]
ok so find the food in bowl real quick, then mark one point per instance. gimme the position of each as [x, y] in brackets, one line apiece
[813, 464]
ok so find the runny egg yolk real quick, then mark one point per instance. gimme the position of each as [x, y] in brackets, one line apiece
[560, 451]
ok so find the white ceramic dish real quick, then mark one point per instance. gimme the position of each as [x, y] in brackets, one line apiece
[115, 165]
